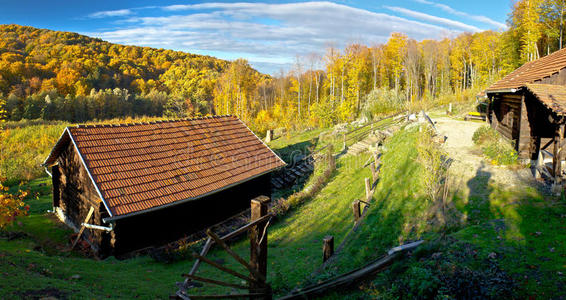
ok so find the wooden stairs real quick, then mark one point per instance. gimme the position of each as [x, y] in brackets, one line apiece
[364, 145]
[290, 174]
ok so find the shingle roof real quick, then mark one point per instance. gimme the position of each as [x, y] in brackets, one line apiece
[551, 96]
[137, 167]
[532, 71]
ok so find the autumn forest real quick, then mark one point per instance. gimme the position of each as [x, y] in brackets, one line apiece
[54, 75]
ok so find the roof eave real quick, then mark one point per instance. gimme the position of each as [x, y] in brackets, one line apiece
[496, 91]
[59, 140]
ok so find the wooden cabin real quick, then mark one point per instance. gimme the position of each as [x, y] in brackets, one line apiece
[528, 106]
[152, 183]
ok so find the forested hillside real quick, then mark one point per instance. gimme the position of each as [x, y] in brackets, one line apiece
[61, 75]
[65, 76]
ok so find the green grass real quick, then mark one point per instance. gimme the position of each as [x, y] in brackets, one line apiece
[508, 242]
[498, 150]
[37, 260]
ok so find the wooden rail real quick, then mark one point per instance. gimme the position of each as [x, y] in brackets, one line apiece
[359, 135]
[351, 277]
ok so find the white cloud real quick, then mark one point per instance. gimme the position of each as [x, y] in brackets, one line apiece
[434, 19]
[450, 10]
[110, 13]
[266, 34]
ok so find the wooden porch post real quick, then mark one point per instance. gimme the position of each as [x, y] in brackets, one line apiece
[524, 142]
[557, 155]
[258, 243]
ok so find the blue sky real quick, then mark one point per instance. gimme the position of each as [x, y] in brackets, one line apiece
[270, 34]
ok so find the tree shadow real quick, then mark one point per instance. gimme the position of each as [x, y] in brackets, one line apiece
[478, 204]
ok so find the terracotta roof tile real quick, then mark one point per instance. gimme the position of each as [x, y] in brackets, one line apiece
[141, 166]
[532, 71]
[551, 96]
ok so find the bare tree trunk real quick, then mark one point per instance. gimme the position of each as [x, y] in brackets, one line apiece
[299, 94]
[561, 24]
[310, 88]
[342, 88]
[316, 78]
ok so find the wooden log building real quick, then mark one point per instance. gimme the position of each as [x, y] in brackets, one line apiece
[152, 183]
[528, 106]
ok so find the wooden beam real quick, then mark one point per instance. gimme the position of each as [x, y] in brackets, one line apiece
[220, 242]
[90, 212]
[227, 296]
[258, 244]
[196, 265]
[222, 268]
[547, 144]
[216, 282]
[372, 168]
[557, 154]
[368, 188]
[246, 227]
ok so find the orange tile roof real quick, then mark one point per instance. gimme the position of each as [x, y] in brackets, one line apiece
[551, 96]
[532, 71]
[141, 166]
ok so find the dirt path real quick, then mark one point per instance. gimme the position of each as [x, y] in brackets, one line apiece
[469, 167]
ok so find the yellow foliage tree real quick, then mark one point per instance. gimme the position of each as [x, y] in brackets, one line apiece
[11, 206]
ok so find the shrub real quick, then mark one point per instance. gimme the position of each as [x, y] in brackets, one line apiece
[498, 150]
[11, 206]
[384, 101]
[431, 157]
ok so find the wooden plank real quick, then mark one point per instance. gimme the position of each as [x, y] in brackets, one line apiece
[246, 227]
[557, 154]
[368, 188]
[90, 212]
[216, 282]
[203, 252]
[347, 279]
[372, 168]
[222, 268]
[220, 242]
[226, 296]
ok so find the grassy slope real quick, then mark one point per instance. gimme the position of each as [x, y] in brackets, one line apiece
[524, 229]
[510, 242]
[37, 261]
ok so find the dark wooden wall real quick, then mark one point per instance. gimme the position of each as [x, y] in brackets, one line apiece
[542, 128]
[521, 118]
[77, 194]
[172, 223]
[506, 114]
[558, 78]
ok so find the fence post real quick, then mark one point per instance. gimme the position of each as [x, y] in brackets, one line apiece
[268, 136]
[376, 159]
[368, 188]
[258, 242]
[357, 210]
[344, 142]
[331, 158]
[327, 247]
[372, 168]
